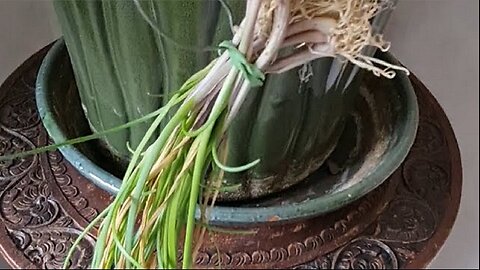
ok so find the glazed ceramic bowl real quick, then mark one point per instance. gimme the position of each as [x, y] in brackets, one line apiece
[379, 132]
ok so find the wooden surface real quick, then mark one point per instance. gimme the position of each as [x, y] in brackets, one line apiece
[45, 203]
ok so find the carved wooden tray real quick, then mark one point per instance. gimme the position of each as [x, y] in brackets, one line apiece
[45, 203]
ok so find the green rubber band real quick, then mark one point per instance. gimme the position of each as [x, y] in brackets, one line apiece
[251, 72]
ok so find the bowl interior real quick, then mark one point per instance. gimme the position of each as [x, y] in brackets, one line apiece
[379, 133]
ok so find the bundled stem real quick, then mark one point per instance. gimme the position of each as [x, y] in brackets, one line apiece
[162, 185]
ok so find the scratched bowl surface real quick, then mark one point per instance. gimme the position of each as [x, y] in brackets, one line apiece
[380, 130]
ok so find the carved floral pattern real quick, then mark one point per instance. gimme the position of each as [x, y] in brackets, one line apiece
[365, 254]
[19, 113]
[407, 220]
[71, 192]
[429, 138]
[35, 219]
[13, 169]
[47, 247]
[426, 179]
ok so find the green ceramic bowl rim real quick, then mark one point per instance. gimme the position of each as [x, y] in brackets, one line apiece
[100, 177]
[235, 215]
